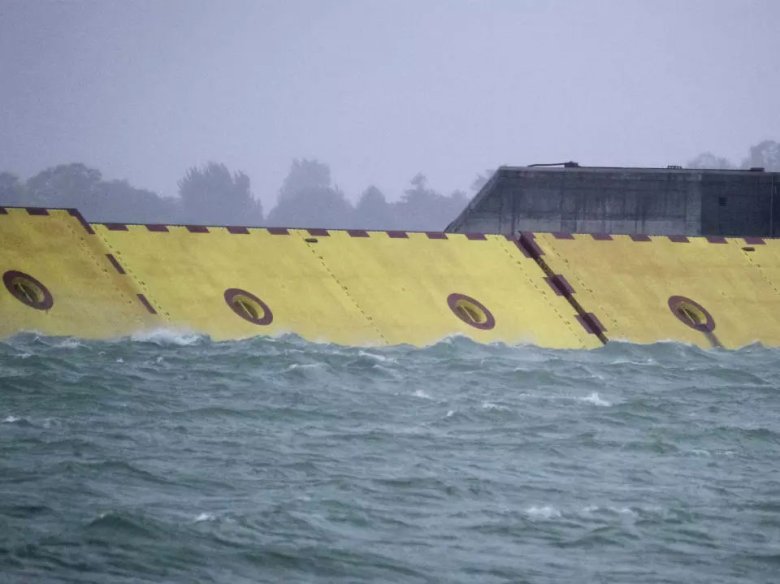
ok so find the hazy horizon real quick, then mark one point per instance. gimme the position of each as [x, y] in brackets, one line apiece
[381, 90]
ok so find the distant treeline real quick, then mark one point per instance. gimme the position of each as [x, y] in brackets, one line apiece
[764, 155]
[212, 194]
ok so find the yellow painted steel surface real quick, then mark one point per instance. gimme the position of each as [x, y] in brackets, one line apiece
[333, 286]
[404, 282]
[89, 298]
[628, 285]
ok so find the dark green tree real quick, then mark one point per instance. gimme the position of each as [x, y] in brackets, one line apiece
[709, 160]
[12, 190]
[421, 208]
[307, 199]
[66, 185]
[373, 211]
[213, 195]
[765, 154]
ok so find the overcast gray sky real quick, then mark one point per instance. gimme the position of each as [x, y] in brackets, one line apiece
[381, 89]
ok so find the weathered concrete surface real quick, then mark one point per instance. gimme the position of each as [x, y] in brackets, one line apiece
[653, 201]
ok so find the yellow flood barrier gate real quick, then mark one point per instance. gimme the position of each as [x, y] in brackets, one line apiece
[64, 276]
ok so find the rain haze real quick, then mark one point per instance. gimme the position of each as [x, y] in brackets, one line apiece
[370, 93]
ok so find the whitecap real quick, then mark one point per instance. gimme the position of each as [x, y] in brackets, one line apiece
[596, 400]
[543, 512]
[421, 394]
[380, 358]
[11, 419]
[491, 406]
[205, 517]
[167, 337]
[449, 413]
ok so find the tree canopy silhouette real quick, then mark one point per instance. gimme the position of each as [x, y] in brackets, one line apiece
[212, 194]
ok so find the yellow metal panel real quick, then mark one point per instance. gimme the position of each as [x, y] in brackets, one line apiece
[185, 275]
[403, 284]
[628, 284]
[89, 297]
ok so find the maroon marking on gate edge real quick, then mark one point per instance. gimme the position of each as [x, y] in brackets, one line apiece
[37, 211]
[197, 228]
[157, 227]
[357, 232]
[318, 232]
[397, 234]
[560, 285]
[80, 218]
[438, 235]
[716, 239]
[640, 237]
[115, 226]
[278, 231]
[562, 235]
[601, 236]
[591, 323]
[146, 304]
[117, 266]
[476, 236]
[678, 238]
[236, 230]
[528, 246]
[755, 240]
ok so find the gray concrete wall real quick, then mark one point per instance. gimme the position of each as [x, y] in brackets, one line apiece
[622, 200]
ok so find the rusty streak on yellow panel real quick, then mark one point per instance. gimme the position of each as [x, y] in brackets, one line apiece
[403, 284]
[90, 298]
[185, 275]
[628, 283]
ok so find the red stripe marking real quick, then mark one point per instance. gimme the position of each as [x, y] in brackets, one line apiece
[562, 235]
[319, 232]
[115, 226]
[476, 236]
[37, 211]
[278, 231]
[716, 239]
[640, 237]
[357, 232]
[397, 234]
[591, 323]
[158, 228]
[117, 266]
[197, 228]
[80, 218]
[560, 285]
[678, 238]
[236, 230]
[439, 235]
[601, 236]
[755, 240]
[146, 304]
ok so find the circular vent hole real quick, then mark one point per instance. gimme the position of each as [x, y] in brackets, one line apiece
[691, 313]
[471, 311]
[28, 290]
[248, 306]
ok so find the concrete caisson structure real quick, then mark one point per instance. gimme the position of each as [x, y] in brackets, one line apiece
[651, 201]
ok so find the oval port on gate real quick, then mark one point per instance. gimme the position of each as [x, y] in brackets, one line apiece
[28, 290]
[248, 306]
[691, 313]
[471, 311]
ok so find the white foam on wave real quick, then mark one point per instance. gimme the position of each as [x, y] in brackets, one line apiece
[295, 366]
[543, 512]
[205, 517]
[486, 405]
[380, 358]
[11, 419]
[421, 394]
[596, 400]
[163, 336]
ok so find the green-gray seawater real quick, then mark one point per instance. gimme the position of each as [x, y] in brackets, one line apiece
[172, 458]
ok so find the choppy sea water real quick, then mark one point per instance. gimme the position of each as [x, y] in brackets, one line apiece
[171, 458]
